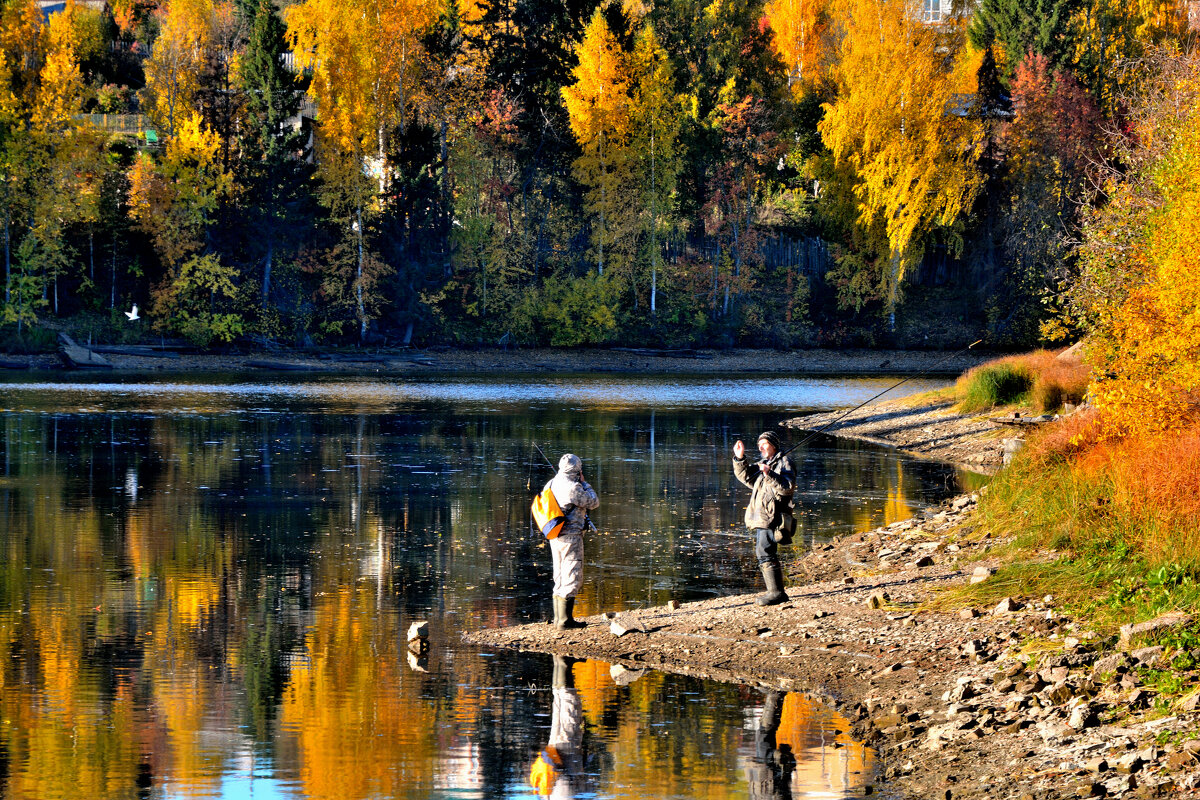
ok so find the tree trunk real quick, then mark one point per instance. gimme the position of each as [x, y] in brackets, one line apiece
[266, 292]
[7, 259]
[358, 287]
[446, 211]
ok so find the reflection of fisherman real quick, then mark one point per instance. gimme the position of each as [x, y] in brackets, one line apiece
[575, 497]
[558, 770]
[769, 513]
[770, 771]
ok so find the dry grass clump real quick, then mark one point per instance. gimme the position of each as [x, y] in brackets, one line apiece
[1039, 379]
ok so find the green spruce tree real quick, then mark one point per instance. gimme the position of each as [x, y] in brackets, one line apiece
[1046, 27]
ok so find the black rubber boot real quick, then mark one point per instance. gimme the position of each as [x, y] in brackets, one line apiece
[773, 576]
[568, 611]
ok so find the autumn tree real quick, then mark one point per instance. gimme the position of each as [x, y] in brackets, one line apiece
[1137, 295]
[1052, 141]
[271, 169]
[802, 37]
[173, 202]
[598, 106]
[894, 123]
[655, 119]
[365, 61]
[174, 69]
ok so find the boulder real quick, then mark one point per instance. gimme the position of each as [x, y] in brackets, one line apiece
[1133, 630]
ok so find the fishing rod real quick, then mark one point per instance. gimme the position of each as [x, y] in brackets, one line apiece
[550, 463]
[831, 423]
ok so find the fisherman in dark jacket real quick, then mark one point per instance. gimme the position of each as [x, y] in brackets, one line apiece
[769, 514]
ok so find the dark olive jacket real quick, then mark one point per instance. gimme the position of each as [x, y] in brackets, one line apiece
[770, 491]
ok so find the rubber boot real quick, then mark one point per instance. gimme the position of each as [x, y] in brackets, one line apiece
[563, 676]
[558, 610]
[773, 576]
[568, 611]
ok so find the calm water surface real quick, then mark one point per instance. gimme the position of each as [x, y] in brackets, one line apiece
[206, 585]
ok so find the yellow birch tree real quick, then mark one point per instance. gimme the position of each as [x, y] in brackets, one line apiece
[895, 123]
[173, 70]
[598, 106]
[801, 29]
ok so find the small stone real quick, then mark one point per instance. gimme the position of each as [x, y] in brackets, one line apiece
[1007, 606]
[923, 561]
[968, 613]
[973, 647]
[1147, 656]
[1082, 717]
[878, 599]
[1097, 765]
[1006, 686]
[848, 580]
[1093, 790]
[619, 626]
[1129, 764]
[418, 630]
[672, 605]
[888, 670]
[1060, 693]
[981, 574]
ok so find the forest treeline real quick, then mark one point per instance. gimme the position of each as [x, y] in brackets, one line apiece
[562, 172]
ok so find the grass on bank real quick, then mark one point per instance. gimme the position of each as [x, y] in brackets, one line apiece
[1112, 530]
[1040, 380]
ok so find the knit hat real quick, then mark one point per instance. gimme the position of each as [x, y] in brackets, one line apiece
[773, 438]
[570, 465]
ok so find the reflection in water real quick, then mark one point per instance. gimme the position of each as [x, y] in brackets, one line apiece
[214, 604]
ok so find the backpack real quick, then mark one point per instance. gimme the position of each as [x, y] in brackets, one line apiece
[547, 516]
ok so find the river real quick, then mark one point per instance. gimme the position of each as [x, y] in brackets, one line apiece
[206, 584]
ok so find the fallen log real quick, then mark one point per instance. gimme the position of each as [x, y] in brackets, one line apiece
[10, 363]
[76, 356]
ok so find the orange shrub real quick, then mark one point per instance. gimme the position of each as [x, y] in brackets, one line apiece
[1040, 378]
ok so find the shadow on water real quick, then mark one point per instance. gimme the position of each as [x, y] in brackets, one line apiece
[205, 588]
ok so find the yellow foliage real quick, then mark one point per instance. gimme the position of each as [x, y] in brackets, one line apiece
[365, 57]
[1149, 343]
[598, 100]
[61, 82]
[891, 121]
[800, 28]
[173, 70]
[20, 46]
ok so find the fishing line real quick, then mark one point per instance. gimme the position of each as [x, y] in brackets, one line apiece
[813, 434]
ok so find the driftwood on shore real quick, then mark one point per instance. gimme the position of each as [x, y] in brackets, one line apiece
[285, 366]
[651, 351]
[10, 363]
[77, 356]
[144, 351]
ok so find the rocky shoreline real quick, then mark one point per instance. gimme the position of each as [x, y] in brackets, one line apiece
[1011, 701]
[438, 361]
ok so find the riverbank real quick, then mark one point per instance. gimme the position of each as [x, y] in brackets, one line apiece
[411, 362]
[923, 426]
[1014, 699]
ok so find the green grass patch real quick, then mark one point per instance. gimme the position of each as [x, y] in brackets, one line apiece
[998, 384]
